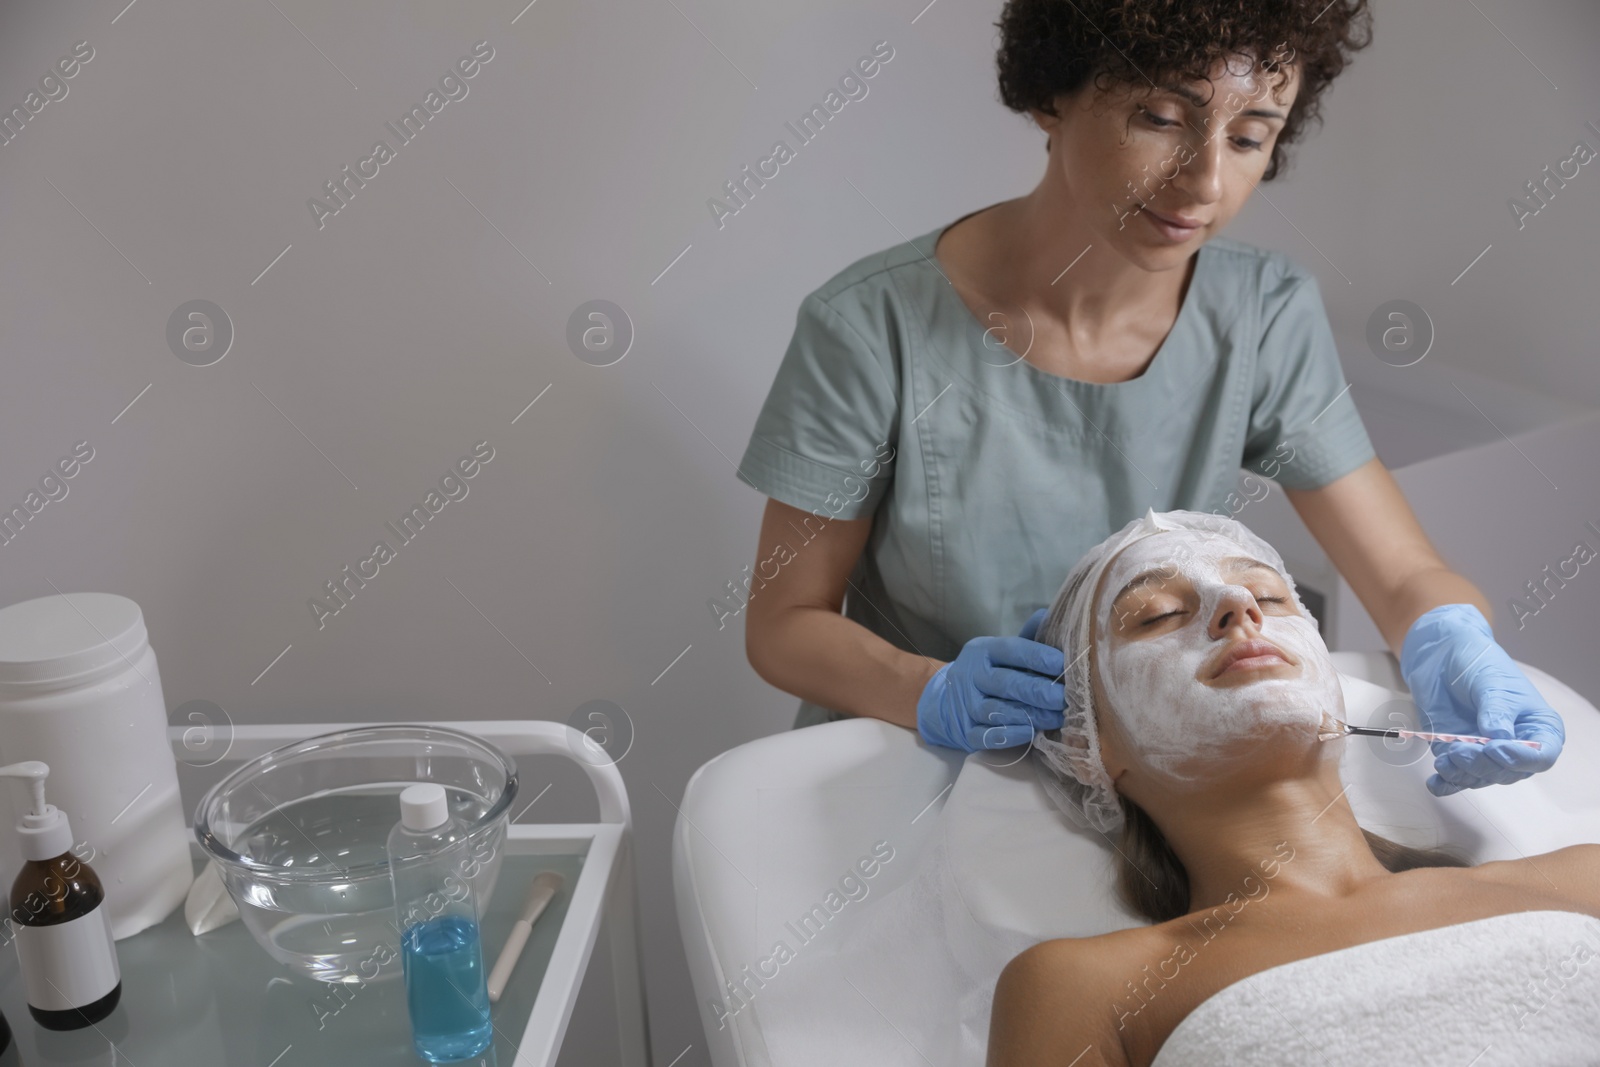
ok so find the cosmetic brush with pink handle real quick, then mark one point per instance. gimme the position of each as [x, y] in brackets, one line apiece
[1343, 728]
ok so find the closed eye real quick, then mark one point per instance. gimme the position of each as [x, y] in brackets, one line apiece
[1179, 611]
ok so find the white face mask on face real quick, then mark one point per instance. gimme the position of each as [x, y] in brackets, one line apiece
[1183, 724]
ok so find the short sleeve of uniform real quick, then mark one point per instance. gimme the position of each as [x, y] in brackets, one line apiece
[1304, 429]
[820, 439]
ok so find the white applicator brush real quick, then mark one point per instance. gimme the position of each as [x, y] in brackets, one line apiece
[540, 893]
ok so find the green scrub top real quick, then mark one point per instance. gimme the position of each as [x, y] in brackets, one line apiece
[987, 478]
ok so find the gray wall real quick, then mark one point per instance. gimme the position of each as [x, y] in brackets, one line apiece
[433, 308]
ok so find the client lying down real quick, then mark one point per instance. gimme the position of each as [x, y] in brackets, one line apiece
[1196, 686]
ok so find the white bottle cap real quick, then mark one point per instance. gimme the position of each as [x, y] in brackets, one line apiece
[422, 806]
[43, 829]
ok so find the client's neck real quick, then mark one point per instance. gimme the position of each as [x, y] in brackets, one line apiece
[1292, 834]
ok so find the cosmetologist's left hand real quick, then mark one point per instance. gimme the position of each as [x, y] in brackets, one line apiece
[1465, 683]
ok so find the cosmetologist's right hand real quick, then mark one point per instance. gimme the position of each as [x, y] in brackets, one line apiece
[995, 693]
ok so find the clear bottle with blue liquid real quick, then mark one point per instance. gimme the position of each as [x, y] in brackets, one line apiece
[441, 951]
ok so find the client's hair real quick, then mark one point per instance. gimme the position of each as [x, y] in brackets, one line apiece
[1152, 881]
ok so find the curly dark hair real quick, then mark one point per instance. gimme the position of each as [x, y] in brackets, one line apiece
[1053, 47]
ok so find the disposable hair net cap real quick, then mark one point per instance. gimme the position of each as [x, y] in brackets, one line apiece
[1068, 760]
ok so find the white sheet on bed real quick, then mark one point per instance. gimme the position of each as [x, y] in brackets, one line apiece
[1518, 990]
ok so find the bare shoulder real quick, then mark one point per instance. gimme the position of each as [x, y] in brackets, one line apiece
[1052, 1005]
[1572, 872]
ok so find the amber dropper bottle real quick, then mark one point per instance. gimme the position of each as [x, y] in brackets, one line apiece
[64, 943]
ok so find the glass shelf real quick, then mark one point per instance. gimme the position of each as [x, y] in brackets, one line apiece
[219, 1000]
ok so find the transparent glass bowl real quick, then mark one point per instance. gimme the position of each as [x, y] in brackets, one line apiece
[299, 837]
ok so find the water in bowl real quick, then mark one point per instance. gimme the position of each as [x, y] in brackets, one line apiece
[335, 928]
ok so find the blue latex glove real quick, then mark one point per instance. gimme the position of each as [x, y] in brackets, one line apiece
[1465, 683]
[995, 693]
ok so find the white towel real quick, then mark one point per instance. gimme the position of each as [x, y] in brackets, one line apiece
[1520, 989]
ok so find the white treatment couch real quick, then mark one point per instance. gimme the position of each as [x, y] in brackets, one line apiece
[765, 828]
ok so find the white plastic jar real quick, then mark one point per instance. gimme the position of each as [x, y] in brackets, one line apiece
[79, 689]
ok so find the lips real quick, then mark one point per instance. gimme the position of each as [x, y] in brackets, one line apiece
[1247, 650]
[1178, 220]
